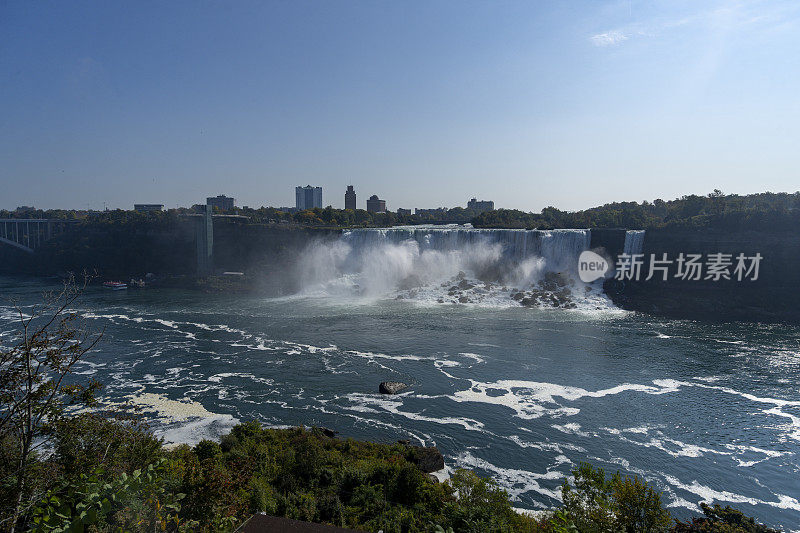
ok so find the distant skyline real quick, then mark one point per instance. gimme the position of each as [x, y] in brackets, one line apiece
[426, 104]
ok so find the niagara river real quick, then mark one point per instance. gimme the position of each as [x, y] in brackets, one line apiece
[516, 370]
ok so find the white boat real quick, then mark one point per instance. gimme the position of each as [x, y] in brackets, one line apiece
[115, 285]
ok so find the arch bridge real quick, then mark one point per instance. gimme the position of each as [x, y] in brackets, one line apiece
[29, 233]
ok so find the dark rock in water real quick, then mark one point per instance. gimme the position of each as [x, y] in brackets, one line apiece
[463, 300]
[465, 285]
[391, 387]
[553, 281]
[404, 442]
[427, 459]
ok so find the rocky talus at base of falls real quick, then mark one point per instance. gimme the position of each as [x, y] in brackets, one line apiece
[554, 290]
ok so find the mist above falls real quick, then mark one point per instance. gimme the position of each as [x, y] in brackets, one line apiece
[449, 265]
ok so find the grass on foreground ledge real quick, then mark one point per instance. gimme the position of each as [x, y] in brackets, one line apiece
[108, 475]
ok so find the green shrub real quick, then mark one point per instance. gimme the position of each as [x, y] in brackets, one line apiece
[722, 520]
[207, 449]
[481, 505]
[262, 497]
[602, 504]
[144, 500]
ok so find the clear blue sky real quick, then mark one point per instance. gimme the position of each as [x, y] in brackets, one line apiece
[425, 103]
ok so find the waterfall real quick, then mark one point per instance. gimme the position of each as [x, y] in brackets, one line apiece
[383, 261]
[559, 247]
[634, 242]
[453, 265]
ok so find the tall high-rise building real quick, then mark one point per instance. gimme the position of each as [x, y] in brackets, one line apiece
[308, 197]
[350, 198]
[480, 205]
[376, 205]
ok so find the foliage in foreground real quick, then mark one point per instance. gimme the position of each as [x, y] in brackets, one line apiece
[97, 482]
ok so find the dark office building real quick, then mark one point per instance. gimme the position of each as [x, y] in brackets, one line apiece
[376, 205]
[350, 198]
[480, 205]
[221, 202]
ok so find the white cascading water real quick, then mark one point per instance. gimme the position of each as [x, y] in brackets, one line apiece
[634, 242]
[424, 262]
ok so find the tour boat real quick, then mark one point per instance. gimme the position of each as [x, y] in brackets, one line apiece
[115, 285]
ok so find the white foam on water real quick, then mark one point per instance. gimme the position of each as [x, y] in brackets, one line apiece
[375, 358]
[91, 370]
[178, 421]
[9, 312]
[707, 379]
[742, 450]
[217, 378]
[475, 357]
[530, 399]
[171, 324]
[546, 446]
[526, 403]
[674, 447]
[515, 481]
[572, 428]
[708, 494]
[657, 439]
[792, 429]
[378, 404]
[676, 501]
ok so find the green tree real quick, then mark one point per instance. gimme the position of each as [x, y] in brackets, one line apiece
[609, 504]
[34, 390]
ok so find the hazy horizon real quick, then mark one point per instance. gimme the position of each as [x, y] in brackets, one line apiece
[361, 201]
[423, 104]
